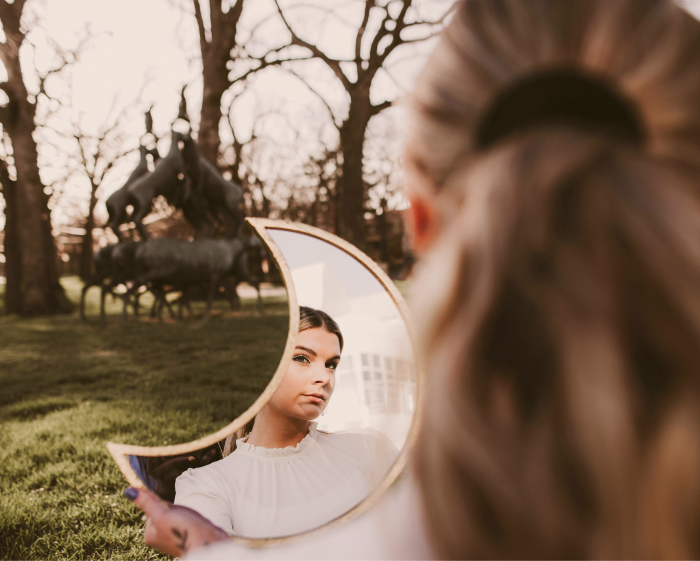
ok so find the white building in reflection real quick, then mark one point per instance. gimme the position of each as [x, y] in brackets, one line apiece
[376, 379]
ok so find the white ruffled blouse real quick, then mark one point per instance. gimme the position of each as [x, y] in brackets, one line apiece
[271, 492]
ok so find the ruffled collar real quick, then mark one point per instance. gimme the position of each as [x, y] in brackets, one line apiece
[243, 447]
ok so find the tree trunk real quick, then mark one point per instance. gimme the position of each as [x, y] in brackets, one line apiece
[352, 186]
[213, 88]
[13, 258]
[216, 52]
[40, 292]
[60, 303]
[32, 215]
[86, 251]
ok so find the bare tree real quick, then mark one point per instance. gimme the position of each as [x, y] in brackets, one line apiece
[31, 244]
[96, 155]
[245, 159]
[384, 178]
[323, 169]
[216, 42]
[372, 47]
[233, 158]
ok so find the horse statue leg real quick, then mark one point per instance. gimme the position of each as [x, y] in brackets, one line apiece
[213, 286]
[126, 299]
[137, 302]
[167, 304]
[137, 217]
[116, 218]
[233, 298]
[83, 295]
[103, 293]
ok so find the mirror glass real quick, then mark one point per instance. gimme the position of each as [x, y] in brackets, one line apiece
[258, 492]
[375, 378]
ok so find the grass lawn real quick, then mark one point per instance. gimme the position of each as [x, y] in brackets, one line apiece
[67, 387]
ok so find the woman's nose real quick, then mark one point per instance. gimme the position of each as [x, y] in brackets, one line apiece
[322, 376]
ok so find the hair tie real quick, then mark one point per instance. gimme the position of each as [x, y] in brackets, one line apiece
[560, 97]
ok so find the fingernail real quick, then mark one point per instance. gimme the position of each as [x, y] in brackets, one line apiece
[131, 493]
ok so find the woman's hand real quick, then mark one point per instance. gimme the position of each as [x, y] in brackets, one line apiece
[172, 529]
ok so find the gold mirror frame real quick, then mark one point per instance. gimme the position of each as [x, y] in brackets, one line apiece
[121, 452]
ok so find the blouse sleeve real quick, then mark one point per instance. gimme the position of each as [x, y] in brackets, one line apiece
[199, 491]
[383, 453]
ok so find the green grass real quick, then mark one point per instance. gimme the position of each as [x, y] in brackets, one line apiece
[68, 387]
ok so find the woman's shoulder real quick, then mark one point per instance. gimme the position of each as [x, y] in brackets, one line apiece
[211, 473]
[368, 439]
[363, 434]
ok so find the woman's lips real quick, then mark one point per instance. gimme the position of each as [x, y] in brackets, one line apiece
[315, 398]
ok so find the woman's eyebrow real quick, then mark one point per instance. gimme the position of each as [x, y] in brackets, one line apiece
[306, 349]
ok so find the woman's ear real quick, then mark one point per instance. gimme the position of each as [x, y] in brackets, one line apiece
[422, 215]
[423, 223]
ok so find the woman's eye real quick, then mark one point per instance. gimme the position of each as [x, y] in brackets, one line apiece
[331, 366]
[302, 359]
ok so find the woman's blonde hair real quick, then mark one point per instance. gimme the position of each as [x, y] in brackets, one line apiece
[309, 318]
[560, 306]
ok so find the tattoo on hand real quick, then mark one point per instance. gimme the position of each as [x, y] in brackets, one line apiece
[182, 536]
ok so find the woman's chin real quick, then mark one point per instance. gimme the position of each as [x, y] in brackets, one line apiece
[309, 412]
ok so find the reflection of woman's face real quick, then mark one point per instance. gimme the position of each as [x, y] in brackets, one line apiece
[310, 379]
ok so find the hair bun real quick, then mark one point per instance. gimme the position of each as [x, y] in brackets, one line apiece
[561, 96]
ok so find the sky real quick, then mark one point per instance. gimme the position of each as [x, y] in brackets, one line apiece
[135, 44]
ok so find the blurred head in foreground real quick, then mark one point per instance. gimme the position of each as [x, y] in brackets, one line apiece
[553, 169]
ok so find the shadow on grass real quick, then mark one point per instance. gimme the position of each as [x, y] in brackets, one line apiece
[217, 369]
[67, 387]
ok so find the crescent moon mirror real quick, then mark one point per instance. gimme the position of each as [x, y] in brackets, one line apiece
[366, 419]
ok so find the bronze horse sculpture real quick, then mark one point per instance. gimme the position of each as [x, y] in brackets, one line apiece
[118, 201]
[223, 198]
[187, 181]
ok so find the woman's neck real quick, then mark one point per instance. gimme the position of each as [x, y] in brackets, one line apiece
[274, 430]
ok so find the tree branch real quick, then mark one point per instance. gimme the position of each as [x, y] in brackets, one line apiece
[203, 43]
[67, 57]
[19, 6]
[312, 90]
[381, 33]
[265, 64]
[10, 15]
[315, 51]
[111, 164]
[395, 34]
[230, 23]
[380, 107]
[369, 4]
[6, 12]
